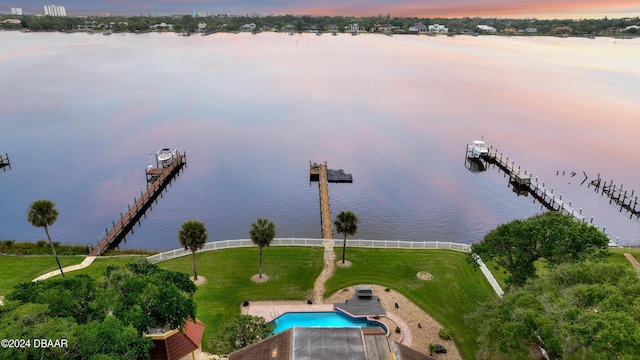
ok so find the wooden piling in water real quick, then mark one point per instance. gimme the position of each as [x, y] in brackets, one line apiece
[537, 189]
[5, 162]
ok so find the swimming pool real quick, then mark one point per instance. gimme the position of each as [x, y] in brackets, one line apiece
[320, 319]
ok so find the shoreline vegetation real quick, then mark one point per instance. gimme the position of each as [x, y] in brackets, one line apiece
[206, 24]
[42, 248]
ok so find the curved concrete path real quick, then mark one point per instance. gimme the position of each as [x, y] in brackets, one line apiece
[633, 262]
[86, 262]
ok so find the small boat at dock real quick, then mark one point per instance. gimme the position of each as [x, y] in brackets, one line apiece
[477, 149]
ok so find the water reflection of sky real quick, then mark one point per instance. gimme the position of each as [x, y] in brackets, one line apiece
[83, 113]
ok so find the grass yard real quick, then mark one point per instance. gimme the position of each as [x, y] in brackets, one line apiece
[455, 291]
[291, 270]
[18, 269]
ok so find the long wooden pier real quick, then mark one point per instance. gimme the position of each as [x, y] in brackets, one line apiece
[524, 180]
[319, 172]
[4, 161]
[157, 180]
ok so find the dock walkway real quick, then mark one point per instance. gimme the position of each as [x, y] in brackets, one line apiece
[524, 180]
[157, 180]
[319, 172]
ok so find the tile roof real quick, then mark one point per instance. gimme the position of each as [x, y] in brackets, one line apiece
[174, 344]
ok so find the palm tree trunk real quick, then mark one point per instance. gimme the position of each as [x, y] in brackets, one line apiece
[193, 261]
[344, 247]
[53, 248]
[260, 264]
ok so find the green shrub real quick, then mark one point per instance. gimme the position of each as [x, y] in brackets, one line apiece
[41, 243]
[444, 334]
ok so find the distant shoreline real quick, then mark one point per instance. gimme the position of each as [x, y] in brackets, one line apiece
[182, 33]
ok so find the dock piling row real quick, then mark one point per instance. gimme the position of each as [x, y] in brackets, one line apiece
[523, 180]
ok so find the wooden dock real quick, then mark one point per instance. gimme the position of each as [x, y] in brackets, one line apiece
[522, 180]
[318, 172]
[157, 180]
[5, 162]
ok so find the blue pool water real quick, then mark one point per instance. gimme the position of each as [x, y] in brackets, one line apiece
[317, 319]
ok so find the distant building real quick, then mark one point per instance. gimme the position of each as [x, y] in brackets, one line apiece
[419, 27]
[161, 26]
[16, 11]
[354, 28]
[200, 13]
[561, 30]
[55, 10]
[509, 30]
[487, 28]
[11, 21]
[531, 30]
[438, 28]
[632, 27]
[248, 27]
[383, 27]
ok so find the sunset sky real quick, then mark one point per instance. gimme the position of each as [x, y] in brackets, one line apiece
[575, 9]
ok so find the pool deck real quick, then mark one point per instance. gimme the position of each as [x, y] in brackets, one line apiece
[270, 310]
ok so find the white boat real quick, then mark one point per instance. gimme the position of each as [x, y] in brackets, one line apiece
[478, 149]
[164, 157]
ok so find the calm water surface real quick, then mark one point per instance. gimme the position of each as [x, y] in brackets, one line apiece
[80, 116]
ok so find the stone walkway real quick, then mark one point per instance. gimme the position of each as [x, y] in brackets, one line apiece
[86, 262]
[327, 271]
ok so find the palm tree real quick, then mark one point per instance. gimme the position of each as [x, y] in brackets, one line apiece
[43, 213]
[193, 235]
[346, 223]
[262, 233]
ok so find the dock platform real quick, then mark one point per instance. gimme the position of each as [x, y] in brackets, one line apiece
[157, 180]
[522, 180]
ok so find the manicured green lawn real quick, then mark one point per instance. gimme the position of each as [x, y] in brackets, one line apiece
[291, 270]
[455, 291]
[19, 269]
[618, 255]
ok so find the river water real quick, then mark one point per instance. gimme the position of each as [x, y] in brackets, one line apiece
[81, 115]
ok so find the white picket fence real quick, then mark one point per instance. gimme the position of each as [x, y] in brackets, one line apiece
[385, 244]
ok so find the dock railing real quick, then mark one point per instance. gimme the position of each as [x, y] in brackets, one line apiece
[384, 244]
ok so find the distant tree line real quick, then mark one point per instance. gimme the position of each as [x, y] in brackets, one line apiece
[188, 23]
